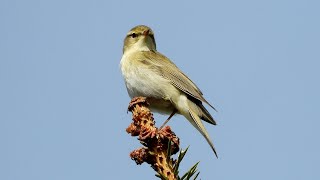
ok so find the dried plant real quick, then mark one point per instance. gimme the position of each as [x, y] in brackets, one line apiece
[158, 144]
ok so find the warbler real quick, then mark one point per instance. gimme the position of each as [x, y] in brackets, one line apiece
[168, 90]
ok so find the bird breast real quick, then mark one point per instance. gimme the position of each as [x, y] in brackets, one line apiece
[141, 80]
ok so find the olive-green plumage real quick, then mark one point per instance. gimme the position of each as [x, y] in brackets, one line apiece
[150, 74]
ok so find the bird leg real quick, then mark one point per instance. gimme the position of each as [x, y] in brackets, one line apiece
[173, 113]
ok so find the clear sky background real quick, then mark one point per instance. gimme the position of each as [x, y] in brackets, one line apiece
[63, 101]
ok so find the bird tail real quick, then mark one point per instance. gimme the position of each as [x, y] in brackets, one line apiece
[200, 110]
[195, 120]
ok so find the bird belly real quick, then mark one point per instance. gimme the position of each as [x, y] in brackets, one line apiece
[141, 81]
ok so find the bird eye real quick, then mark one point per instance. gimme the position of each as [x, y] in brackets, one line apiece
[134, 35]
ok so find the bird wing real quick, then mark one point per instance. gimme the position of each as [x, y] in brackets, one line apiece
[167, 69]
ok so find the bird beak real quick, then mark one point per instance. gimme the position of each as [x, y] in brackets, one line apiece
[146, 32]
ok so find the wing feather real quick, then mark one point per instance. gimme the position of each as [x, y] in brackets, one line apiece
[170, 71]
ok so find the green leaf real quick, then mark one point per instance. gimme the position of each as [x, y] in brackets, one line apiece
[191, 172]
[196, 176]
[180, 157]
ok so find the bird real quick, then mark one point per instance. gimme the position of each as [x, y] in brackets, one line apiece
[168, 90]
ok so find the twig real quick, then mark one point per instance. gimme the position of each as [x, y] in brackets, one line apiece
[159, 145]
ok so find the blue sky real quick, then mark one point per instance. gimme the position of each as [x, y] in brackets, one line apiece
[63, 100]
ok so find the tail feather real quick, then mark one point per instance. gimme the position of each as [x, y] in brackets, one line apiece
[196, 122]
[198, 108]
[194, 111]
[205, 115]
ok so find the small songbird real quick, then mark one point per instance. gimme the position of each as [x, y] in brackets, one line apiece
[168, 90]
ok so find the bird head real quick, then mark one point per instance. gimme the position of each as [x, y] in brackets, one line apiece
[139, 38]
